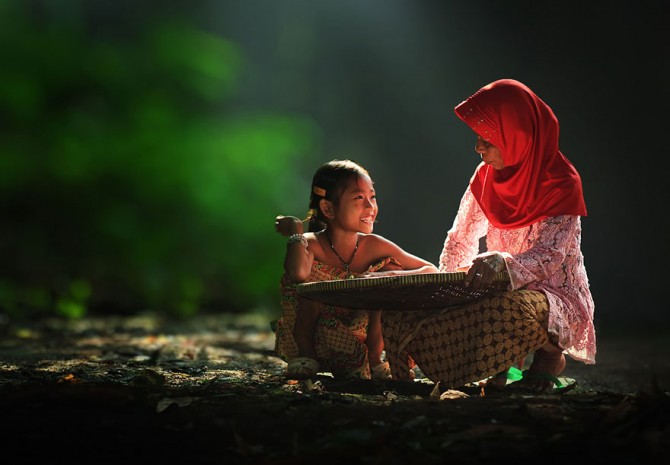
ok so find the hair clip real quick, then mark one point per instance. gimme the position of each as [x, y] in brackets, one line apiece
[311, 213]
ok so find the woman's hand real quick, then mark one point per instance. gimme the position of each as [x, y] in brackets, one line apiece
[288, 225]
[484, 270]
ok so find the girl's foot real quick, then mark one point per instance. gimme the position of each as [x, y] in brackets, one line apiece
[381, 371]
[302, 368]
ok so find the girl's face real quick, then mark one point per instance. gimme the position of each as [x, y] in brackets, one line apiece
[357, 209]
[489, 153]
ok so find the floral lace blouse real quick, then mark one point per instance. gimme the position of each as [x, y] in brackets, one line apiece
[545, 256]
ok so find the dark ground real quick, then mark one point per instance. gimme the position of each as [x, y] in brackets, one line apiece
[209, 390]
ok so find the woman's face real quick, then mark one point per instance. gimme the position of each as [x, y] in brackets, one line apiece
[489, 153]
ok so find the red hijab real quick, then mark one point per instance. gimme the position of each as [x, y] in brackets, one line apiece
[537, 181]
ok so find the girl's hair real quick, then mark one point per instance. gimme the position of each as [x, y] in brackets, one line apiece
[329, 182]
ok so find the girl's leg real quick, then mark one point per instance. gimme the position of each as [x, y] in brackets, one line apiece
[306, 319]
[378, 370]
[375, 341]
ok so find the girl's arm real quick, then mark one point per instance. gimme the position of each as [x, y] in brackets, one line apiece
[299, 258]
[412, 264]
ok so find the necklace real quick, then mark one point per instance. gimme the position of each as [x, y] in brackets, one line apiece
[350, 275]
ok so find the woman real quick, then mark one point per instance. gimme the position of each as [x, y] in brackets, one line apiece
[526, 198]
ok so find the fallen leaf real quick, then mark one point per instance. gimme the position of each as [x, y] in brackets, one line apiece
[450, 394]
[179, 401]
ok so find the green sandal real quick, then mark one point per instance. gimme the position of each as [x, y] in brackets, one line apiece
[500, 380]
[559, 384]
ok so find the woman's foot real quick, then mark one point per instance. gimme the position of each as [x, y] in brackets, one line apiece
[513, 373]
[547, 364]
[498, 381]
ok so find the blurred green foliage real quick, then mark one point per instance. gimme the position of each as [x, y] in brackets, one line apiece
[130, 177]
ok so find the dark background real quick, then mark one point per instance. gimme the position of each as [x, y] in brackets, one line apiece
[147, 146]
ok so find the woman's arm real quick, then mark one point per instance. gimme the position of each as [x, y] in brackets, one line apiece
[551, 242]
[461, 245]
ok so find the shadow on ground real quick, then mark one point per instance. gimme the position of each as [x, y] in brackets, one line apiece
[210, 390]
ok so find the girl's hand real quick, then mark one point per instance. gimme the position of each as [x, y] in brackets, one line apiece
[390, 269]
[378, 274]
[288, 225]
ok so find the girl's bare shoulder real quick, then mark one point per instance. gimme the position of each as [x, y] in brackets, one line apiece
[374, 240]
[376, 237]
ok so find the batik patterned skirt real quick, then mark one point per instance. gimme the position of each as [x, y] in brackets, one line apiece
[468, 343]
[341, 333]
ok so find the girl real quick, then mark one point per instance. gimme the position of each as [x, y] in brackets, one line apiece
[312, 336]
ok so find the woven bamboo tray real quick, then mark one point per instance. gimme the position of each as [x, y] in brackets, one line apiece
[407, 293]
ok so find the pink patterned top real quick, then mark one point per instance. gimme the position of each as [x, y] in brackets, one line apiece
[544, 256]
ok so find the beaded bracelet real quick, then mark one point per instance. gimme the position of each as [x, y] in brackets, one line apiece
[298, 238]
